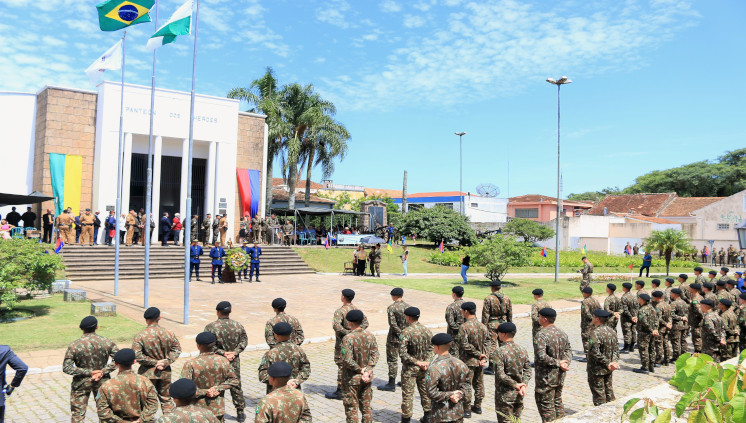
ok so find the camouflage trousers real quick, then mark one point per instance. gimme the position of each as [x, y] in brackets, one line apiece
[645, 345]
[392, 354]
[629, 331]
[338, 361]
[584, 283]
[508, 403]
[696, 331]
[601, 388]
[237, 393]
[713, 352]
[375, 269]
[164, 397]
[678, 342]
[454, 345]
[79, 393]
[549, 401]
[663, 348]
[585, 335]
[412, 376]
[742, 339]
[475, 390]
[729, 351]
[357, 396]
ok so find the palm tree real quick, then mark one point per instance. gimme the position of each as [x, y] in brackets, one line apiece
[669, 241]
[324, 143]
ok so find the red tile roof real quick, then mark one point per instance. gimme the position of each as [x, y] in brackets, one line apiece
[435, 194]
[683, 206]
[282, 195]
[651, 219]
[643, 204]
[276, 182]
[533, 198]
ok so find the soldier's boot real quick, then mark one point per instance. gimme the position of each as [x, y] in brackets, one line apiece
[425, 418]
[406, 419]
[651, 369]
[624, 349]
[240, 416]
[390, 386]
[467, 413]
[337, 395]
[476, 409]
[642, 370]
[488, 370]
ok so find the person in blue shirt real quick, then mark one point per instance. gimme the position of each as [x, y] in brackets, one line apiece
[194, 252]
[647, 260]
[246, 249]
[217, 253]
[254, 253]
[8, 358]
[391, 232]
[739, 282]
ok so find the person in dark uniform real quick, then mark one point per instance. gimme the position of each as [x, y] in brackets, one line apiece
[8, 358]
[165, 229]
[217, 253]
[254, 253]
[13, 217]
[194, 252]
[29, 219]
[47, 222]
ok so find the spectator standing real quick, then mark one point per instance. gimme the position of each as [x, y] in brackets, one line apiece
[96, 227]
[111, 228]
[8, 358]
[122, 228]
[165, 229]
[47, 222]
[647, 260]
[29, 218]
[362, 258]
[465, 263]
[404, 257]
[78, 228]
[176, 228]
[13, 217]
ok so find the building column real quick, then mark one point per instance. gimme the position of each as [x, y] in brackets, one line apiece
[126, 173]
[210, 179]
[155, 207]
[185, 214]
[216, 167]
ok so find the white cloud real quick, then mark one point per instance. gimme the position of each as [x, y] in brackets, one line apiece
[334, 13]
[412, 21]
[390, 6]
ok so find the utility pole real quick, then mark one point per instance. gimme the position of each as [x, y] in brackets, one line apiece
[404, 194]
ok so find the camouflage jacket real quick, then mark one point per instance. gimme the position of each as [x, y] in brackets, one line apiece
[88, 353]
[647, 319]
[296, 336]
[679, 312]
[454, 318]
[359, 351]
[667, 294]
[339, 322]
[735, 293]
[512, 366]
[125, 397]
[741, 315]
[397, 322]
[603, 350]
[551, 346]
[587, 307]
[712, 332]
[189, 414]
[283, 405]
[640, 292]
[208, 370]
[724, 293]
[613, 304]
[535, 307]
[231, 337]
[445, 376]
[474, 341]
[497, 309]
[695, 314]
[700, 279]
[686, 296]
[730, 325]
[415, 346]
[289, 353]
[153, 344]
[630, 306]
[710, 296]
[586, 271]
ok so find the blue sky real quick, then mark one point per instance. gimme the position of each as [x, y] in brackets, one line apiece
[656, 83]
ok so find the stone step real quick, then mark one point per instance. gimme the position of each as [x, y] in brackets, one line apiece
[139, 275]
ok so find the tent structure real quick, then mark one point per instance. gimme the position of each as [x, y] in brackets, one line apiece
[17, 199]
[304, 212]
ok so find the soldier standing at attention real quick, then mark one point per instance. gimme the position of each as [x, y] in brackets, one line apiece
[86, 361]
[512, 373]
[376, 262]
[695, 316]
[287, 232]
[64, 224]
[497, 309]
[722, 292]
[630, 306]
[700, 278]
[586, 271]
[265, 231]
[206, 225]
[587, 307]
[538, 304]
[446, 382]
[415, 355]
[663, 351]
[730, 285]
[613, 305]
[721, 256]
[397, 323]
[272, 224]
[341, 328]
[552, 361]
[667, 292]
[359, 357]
[87, 220]
[288, 352]
[684, 286]
[216, 254]
[193, 228]
[230, 341]
[156, 348]
[679, 328]
[213, 375]
[183, 392]
[278, 306]
[216, 229]
[285, 403]
[223, 228]
[603, 358]
[647, 328]
[130, 223]
[475, 346]
[707, 293]
[454, 317]
[655, 286]
[730, 326]
[713, 333]
[741, 314]
[195, 250]
[640, 287]
[256, 228]
[126, 397]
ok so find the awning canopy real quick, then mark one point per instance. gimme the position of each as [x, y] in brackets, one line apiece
[317, 211]
[16, 199]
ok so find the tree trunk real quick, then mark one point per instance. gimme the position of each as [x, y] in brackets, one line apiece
[270, 180]
[668, 260]
[309, 168]
[292, 171]
[404, 194]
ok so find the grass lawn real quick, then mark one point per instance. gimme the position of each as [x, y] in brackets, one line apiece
[56, 325]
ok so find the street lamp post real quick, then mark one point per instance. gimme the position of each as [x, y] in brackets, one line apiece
[559, 83]
[460, 174]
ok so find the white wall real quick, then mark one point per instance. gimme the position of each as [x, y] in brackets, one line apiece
[17, 129]
[730, 210]
[488, 210]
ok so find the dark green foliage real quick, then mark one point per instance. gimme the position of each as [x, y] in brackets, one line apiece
[26, 264]
[529, 230]
[437, 224]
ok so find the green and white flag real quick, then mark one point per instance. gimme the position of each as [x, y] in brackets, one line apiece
[180, 23]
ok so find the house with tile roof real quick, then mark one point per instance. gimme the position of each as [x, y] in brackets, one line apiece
[542, 208]
[483, 212]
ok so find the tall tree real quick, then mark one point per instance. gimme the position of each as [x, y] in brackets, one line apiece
[324, 143]
[669, 241]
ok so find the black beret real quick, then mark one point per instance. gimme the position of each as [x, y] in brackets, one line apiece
[707, 285]
[707, 302]
[611, 286]
[412, 312]
[721, 283]
[658, 294]
[641, 283]
[695, 286]
[496, 283]
[354, 316]
[538, 291]
[698, 269]
[725, 269]
[742, 296]
[548, 312]
[730, 282]
[206, 338]
[468, 306]
[125, 356]
[280, 369]
[713, 273]
[397, 292]
[282, 328]
[152, 313]
[644, 297]
[507, 327]
[726, 302]
[348, 293]
[669, 280]
[183, 388]
[223, 306]
[587, 290]
[457, 289]
[88, 322]
[627, 285]
[279, 303]
[599, 312]
[684, 276]
[656, 282]
[441, 339]
[676, 291]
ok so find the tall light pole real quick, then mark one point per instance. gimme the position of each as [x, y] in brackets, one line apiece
[460, 174]
[559, 83]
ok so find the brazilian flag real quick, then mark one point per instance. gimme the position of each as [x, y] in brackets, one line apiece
[118, 14]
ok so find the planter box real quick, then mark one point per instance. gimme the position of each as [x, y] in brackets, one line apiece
[59, 286]
[104, 309]
[74, 295]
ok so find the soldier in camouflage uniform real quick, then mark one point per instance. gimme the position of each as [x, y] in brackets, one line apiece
[712, 277]
[551, 362]
[216, 229]
[375, 261]
[446, 382]
[231, 341]
[587, 307]
[397, 323]
[454, 317]
[212, 373]
[512, 373]
[684, 286]
[359, 357]
[603, 358]
[723, 274]
[730, 326]
[156, 348]
[730, 285]
[287, 352]
[640, 287]
[415, 352]
[699, 277]
[647, 328]
[278, 305]
[475, 345]
[663, 351]
[285, 403]
[341, 328]
[497, 309]
[586, 271]
[655, 285]
[695, 316]
[707, 293]
[679, 328]
[713, 333]
[630, 306]
[722, 292]
[206, 225]
[183, 393]
[127, 396]
[613, 305]
[86, 361]
[538, 304]
[667, 291]
[741, 315]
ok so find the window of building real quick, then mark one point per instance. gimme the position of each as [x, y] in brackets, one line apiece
[527, 213]
[446, 205]
[723, 226]
[414, 206]
[475, 205]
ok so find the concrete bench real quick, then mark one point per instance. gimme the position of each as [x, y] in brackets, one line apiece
[74, 295]
[104, 309]
[59, 286]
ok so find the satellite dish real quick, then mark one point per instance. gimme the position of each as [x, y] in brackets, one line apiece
[488, 190]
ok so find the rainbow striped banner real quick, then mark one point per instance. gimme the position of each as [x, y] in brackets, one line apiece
[67, 178]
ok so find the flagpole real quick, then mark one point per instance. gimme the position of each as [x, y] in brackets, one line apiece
[149, 180]
[120, 166]
[188, 221]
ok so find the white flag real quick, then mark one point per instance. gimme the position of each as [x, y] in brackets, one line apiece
[180, 23]
[110, 60]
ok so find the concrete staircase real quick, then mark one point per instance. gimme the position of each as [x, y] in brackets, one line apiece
[91, 263]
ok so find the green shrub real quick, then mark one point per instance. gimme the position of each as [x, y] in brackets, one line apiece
[498, 253]
[26, 264]
[574, 258]
[451, 258]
